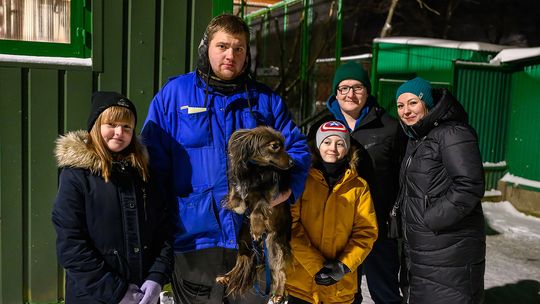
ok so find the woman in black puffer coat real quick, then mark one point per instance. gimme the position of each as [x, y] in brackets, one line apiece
[442, 182]
[114, 230]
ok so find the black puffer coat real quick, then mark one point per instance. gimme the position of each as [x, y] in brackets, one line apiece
[442, 215]
[382, 147]
[108, 234]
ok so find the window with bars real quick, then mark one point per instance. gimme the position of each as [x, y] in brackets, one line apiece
[59, 28]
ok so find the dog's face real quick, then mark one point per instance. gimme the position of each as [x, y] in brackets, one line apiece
[262, 146]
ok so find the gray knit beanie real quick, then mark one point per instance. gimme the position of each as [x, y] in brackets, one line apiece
[330, 128]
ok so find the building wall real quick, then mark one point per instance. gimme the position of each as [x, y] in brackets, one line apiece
[137, 45]
[523, 140]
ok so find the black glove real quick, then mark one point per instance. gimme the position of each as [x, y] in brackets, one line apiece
[331, 273]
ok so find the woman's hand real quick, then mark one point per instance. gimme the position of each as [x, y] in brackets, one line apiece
[133, 295]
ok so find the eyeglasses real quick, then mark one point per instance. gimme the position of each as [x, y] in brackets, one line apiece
[357, 89]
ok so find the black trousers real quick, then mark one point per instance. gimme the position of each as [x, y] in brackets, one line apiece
[381, 268]
[293, 300]
[194, 278]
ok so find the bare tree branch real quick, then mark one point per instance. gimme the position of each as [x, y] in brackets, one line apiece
[423, 4]
[387, 27]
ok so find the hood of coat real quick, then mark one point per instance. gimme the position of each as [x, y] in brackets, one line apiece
[71, 151]
[369, 113]
[446, 109]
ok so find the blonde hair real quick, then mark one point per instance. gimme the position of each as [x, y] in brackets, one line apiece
[134, 153]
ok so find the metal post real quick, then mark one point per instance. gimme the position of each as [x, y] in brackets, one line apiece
[339, 32]
[304, 59]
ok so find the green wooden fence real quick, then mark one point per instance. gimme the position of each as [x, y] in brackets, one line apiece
[136, 47]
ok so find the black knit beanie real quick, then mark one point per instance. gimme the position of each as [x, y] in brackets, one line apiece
[102, 100]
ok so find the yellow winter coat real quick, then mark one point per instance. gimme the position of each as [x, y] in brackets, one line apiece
[328, 225]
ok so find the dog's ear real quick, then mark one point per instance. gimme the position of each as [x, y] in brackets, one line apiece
[240, 150]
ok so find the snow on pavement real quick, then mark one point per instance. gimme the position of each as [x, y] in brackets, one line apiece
[513, 255]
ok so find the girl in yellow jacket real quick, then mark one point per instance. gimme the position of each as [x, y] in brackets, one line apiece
[334, 224]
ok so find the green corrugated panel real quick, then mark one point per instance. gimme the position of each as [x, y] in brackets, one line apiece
[434, 63]
[484, 94]
[386, 94]
[523, 143]
[533, 71]
[392, 58]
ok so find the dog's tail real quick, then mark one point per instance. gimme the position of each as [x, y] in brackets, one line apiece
[242, 276]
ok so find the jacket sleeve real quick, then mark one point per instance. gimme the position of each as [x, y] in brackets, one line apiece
[159, 142]
[364, 231]
[83, 263]
[160, 272]
[463, 164]
[161, 269]
[295, 143]
[307, 255]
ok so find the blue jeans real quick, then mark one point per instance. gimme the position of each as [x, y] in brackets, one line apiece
[381, 268]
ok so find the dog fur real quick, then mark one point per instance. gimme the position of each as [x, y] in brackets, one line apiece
[258, 172]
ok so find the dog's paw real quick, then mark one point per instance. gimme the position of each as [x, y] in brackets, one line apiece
[223, 280]
[276, 300]
[240, 209]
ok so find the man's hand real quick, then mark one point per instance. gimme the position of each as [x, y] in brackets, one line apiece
[282, 196]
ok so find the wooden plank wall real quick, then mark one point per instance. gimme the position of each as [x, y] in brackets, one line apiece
[137, 46]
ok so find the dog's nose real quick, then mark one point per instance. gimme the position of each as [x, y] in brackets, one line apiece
[291, 162]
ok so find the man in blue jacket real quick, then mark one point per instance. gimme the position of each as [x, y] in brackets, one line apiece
[187, 129]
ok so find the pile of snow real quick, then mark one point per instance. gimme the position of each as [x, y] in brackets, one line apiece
[505, 219]
[516, 180]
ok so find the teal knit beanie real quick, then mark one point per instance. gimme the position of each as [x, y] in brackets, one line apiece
[419, 87]
[351, 70]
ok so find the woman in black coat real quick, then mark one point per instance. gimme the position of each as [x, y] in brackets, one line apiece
[113, 232]
[442, 182]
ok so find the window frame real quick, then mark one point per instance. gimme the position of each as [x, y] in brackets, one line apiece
[80, 37]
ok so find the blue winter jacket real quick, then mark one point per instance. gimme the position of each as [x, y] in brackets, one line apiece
[187, 143]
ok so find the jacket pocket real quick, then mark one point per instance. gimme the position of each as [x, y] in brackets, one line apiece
[195, 129]
[116, 262]
[197, 214]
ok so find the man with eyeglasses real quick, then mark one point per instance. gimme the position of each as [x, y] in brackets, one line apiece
[376, 132]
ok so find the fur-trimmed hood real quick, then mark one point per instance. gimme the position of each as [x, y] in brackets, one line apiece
[71, 151]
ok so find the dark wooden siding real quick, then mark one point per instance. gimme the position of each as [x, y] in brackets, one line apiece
[137, 46]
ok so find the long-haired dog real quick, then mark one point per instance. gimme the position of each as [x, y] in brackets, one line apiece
[258, 172]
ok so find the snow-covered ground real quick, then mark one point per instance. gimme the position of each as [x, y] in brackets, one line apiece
[512, 257]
